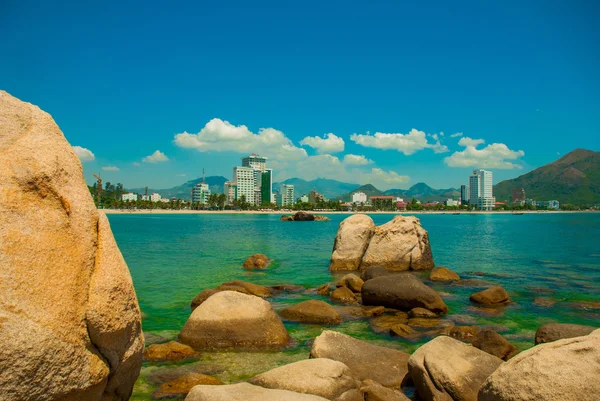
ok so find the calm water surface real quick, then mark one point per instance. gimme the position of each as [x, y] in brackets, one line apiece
[173, 257]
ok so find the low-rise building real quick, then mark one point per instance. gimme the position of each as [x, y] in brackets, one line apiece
[452, 202]
[401, 205]
[303, 198]
[200, 193]
[129, 197]
[550, 205]
[359, 197]
[155, 197]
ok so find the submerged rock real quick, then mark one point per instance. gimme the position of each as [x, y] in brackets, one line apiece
[352, 281]
[182, 385]
[343, 295]
[168, 352]
[383, 324]
[257, 261]
[558, 331]
[70, 324]
[493, 296]
[422, 313]
[366, 361]
[323, 377]
[443, 274]
[351, 242]
[324, 289]
[245, 288]
[402, 291]
[399, 245]
[246, 392]
[312, 311]
[494, 344]
[232, 320]
[447, 369]
[565, 370]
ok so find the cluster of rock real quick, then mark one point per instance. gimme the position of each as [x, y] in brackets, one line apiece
[304, 216]
[70, 324]
[399, 245]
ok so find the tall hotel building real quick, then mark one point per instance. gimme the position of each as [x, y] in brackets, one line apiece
[252, 179]
[480, 190]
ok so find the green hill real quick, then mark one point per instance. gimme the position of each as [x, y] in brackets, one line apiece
[572, 179]
[215, 183]
[329, 188]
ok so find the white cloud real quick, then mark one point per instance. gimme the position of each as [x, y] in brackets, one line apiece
[156, 157]
[85, 155]
[221, 136]
[110, 168]
[408, 144]
[495, 155]
[330, 143]
[356, 160]
[456, 135]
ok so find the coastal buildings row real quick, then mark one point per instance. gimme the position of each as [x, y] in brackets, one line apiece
[133, 197]
[252, 182]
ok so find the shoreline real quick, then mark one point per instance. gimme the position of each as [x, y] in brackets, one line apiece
[165, 211]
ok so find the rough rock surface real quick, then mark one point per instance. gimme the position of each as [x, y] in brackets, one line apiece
[324, 289]
[168, 351]
[386, 366]
[493, 296]
[422, 313]
[559, 331]
[303, 216]
[399, 245]
[343, 295]
[182, 385]
[323, 377]
[372, 391]
[401, 291]
[70, 325]
[246, 392]
[246, 288]
[257, 261]
[312, 311]
[494, 344]
[352, 281]
[563, 370]
[463, 333]
[443, 274]
[201, 297]
[374, 271]
[447, 369]
[233, 320]
[351, 242]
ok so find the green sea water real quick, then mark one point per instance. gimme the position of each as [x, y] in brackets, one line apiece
[555, 257]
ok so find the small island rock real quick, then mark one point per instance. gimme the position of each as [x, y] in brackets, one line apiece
[257, 261]
[303, 216]
[443, 274]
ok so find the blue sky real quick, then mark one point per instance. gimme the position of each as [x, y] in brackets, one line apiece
[511, 85]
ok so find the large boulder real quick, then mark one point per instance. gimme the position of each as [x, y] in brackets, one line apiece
[352, 281]
[323, 377]
[386, 366]
[246, 392]
[374, 271]
[169, 351]
[257, 261]
[246, 288]
[312, 311]
[373, 391]
[70, 324]
[447, 369]
[443, 274]
[401, 291]
[399, 245]
[303, 216]
[343, 295]
[351, 242]
[180, 386]
[493, 296]
[232, 320]
[559, 331]
[565, 370]
[494, 344]
[201, 297]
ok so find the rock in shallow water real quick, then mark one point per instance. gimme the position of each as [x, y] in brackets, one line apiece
[323, 377]
[232, 320]
[182, 385]
[351, 242]
[443, 274]
[70, 325]
[558, 331]
[493, 296]
[312, 311]
[257, 261]
[352, 281]
[246, 392]
[366, 361]
[343, 295]
[494, 344]
[168, 352]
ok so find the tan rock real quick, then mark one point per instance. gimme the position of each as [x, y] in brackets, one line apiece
[352, 281]
[182, 385]
[386, 366]
[494, 344]
[443, 274]
[257, 261]
[383, 324]
[559, 331]
[312, 311]
[324, 289]
[565, 370]
[462, 333]
[201, 297]
[246, 392]
[245, 288]
[343, 295]
[422, 313]
[372, 391]
[70, 324]
[351, 242]
[351, 395]
[168, 352]
[232, 320]
[323, 377]
[493, 296]
[404, 331]
[447, 369]
[399, 245]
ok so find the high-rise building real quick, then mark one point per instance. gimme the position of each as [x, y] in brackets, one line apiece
[266, 186]
[243, 179]
[464, 194]
[255, 161]
[286, 193]
[230, 190]
[480, 190]
[252, 180]
[314, 197]
[200, 193]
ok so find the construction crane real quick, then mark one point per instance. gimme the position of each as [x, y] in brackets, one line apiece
[98, 187]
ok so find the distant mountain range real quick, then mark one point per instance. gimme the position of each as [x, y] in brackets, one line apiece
[420, 191]
[328, 188]
[573, 179]
[215, 183]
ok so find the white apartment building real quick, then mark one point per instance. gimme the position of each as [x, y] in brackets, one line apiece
[451, 202]
[129, 197]
[155, 197]
[253, 180]
[287, 195]
[230, 191]
[480, 190]
[359, 197]
[200, 193]
[255, 161]
[243, 179]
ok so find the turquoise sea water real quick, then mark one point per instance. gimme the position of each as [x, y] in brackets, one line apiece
[173, 257]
